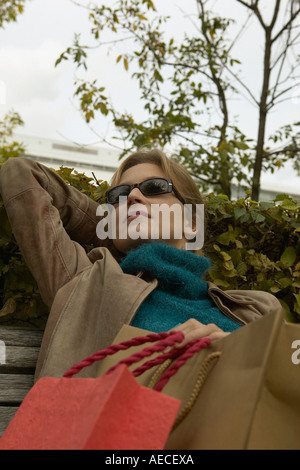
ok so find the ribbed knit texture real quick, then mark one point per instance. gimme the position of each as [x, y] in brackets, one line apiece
[181, 293]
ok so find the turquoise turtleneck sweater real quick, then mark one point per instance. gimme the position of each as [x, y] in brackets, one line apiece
[181, 293]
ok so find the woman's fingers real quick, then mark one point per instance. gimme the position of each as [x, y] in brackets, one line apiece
[193, 329]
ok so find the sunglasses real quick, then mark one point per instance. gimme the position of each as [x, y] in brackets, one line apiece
[149, 187]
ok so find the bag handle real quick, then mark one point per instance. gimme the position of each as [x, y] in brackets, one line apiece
[163, 340]
[184, 354]
[191, 350]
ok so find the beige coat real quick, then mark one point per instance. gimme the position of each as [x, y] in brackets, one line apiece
[89, 295]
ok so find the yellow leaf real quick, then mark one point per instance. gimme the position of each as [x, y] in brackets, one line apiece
[297, 267]
[226, 256]
[9, 307]
[221, 283]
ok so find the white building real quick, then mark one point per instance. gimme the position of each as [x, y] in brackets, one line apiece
[103, 161]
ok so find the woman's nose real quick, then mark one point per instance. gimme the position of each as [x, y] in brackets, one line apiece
[135, 196]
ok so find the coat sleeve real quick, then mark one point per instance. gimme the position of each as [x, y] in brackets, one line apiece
[49, 220]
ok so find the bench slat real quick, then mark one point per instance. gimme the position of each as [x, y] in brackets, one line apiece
[6, 415]
[13, 336]
[19, 360]
[19, 350]
[14, 387]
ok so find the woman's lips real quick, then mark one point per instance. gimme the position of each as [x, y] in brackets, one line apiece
[126, 214]
[133, 215]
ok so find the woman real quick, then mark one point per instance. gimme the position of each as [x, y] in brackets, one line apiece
[155, 285]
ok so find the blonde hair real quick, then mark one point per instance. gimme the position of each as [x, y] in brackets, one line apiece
[181, 179]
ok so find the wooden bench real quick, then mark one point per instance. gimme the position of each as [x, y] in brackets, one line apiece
[19, 349]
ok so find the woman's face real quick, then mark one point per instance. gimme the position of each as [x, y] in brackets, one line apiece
[142, 219]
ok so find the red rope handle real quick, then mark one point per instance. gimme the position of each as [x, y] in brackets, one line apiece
[165, 339]
[192, 348]
[175, 337]
[175, 352]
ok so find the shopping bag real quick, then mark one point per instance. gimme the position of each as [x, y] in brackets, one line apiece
[248, 397]
[240, 392]
[110, 412]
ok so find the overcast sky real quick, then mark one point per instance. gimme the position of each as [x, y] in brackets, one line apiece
[43, 94]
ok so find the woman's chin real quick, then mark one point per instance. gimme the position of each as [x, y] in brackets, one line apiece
[128, 244]
[125, 245]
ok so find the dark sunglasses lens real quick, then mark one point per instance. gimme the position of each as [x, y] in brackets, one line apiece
[149, 187]
[155, 186]
[114, 193]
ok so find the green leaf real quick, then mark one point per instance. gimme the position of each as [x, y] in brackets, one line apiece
[239, 212]
[287, 204]
[285, 282]
[274, 289]
[221, 283]
[227, 237]
[242, 268]
[288, 257]
[226, 256]
[257, 217]
[264, 205]
[281, 197]
[241, 145]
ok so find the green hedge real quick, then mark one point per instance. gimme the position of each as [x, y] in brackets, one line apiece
[256, 246]
[251, 245]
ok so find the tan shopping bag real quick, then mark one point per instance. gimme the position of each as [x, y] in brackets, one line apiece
[251, 396]
[242, 392]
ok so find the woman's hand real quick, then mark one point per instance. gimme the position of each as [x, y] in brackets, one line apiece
[193, 329]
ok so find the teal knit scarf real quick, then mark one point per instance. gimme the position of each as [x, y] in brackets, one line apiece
[181, 293]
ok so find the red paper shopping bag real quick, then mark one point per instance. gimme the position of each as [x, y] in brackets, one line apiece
[109, 412]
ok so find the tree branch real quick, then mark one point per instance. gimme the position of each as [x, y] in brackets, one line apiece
[254, 8]
[275, 98]
[216, 80]
[287, 24]
[242, 83]
[275, 15]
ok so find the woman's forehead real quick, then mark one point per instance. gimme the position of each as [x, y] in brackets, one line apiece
[140, 172]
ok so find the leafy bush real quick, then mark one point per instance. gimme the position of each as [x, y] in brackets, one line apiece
[252, 246]
[256, 246]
